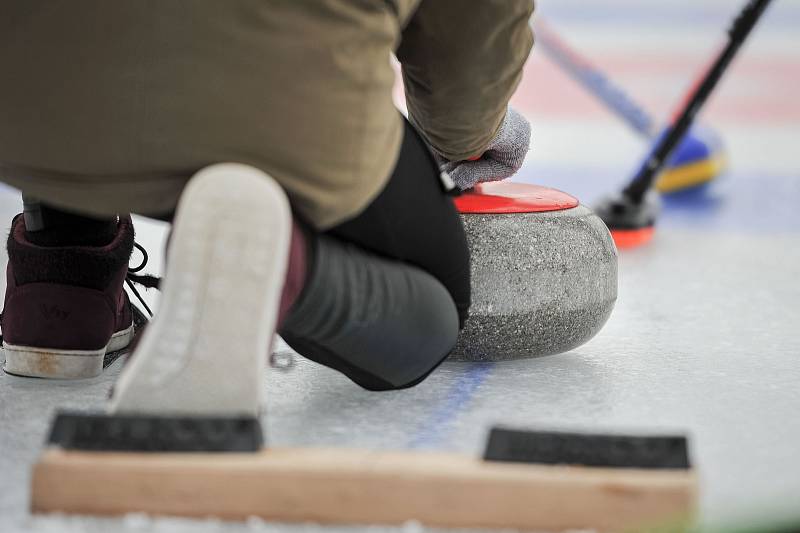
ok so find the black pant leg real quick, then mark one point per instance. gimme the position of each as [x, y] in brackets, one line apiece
[46, 225]
[387, 290]
[415, 221]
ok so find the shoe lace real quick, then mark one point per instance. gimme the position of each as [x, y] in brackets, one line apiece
[145, 280]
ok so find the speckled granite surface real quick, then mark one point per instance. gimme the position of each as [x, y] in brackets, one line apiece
[542, 283]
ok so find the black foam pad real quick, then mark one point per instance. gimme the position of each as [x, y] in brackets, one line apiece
[618, 451]
[102, 432]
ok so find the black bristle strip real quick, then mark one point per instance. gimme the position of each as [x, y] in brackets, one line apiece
[615, 451]
[127, 433]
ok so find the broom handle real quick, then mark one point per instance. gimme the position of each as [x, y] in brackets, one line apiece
[593, 80]
[693, 101]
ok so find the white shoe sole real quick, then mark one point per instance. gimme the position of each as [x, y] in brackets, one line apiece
[32, 361]
[206, 350]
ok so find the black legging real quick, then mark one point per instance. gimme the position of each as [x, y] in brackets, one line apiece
[413, 220]
[389, 289]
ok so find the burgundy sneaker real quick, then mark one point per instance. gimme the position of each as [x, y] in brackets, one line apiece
[65, 307]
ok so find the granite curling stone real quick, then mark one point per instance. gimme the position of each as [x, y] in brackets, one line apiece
[544, 272]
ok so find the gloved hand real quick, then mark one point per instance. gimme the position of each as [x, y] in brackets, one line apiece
[502, 158]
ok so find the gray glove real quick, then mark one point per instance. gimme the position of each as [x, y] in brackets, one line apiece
[502, 158]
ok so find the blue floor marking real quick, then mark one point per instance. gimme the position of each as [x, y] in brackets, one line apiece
[435, 428]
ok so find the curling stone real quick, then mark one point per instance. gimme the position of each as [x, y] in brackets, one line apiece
[544, 272]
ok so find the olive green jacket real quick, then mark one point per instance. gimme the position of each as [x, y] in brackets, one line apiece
[110, 106]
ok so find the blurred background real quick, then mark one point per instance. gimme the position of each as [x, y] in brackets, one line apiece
[655, 50]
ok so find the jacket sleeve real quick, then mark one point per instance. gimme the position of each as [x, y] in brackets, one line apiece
[461, 62]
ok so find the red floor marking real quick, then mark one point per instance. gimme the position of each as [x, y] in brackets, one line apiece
[757, 89]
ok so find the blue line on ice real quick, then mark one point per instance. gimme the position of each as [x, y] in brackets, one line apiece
[435, 429]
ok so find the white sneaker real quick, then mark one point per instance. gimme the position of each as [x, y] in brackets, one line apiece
[205, 352]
